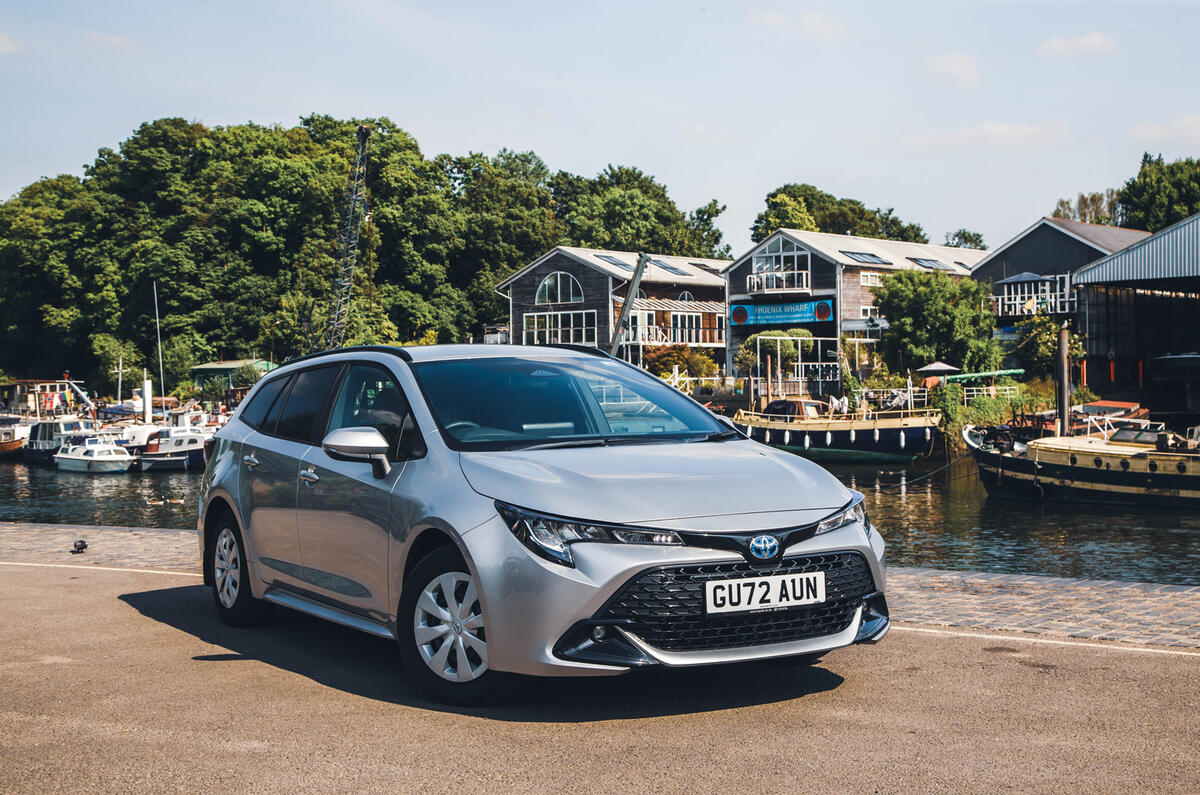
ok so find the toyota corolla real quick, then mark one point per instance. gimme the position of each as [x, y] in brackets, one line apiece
[548, 511]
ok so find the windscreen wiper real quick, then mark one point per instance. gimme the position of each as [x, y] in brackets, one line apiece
[718, 436]
[604, 441]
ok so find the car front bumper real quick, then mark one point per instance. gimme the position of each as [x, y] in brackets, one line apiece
[541, 616]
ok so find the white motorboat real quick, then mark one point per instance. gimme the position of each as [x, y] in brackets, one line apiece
[96, 455]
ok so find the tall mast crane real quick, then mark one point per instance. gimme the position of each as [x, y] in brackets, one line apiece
[356, 212]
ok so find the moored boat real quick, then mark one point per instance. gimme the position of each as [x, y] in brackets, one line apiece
[13, 437]
[1141, 465]
[808, 428]
[48, 436]
[174, 448]
[95, 455]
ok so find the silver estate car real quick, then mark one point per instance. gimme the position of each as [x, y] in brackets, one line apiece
[545, 510]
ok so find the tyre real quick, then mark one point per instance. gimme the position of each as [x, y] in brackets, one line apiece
[231, 580]
[440, 629]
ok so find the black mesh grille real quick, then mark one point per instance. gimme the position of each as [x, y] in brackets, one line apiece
[665, 607]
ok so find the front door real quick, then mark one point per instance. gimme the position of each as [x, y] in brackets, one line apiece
[344, 520]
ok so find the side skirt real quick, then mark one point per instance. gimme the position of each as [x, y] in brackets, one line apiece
[328, 613]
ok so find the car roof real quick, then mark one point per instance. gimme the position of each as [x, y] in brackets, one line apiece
[433, 353]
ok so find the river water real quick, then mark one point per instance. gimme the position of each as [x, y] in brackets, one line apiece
[945, 521]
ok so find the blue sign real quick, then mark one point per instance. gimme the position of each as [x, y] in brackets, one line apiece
[770, 314]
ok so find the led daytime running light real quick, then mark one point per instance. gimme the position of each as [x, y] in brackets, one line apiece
[550, 537]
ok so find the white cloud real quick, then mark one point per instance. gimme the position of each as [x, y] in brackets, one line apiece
[1092, 44]
[992, 135]
[811, 23]
[1184, 130]
[109, 41]
[958, 66]
[9, 45]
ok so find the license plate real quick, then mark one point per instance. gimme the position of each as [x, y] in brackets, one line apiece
[764, 593]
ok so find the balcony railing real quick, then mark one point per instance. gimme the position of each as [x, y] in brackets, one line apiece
[778, 281]
[675, 335]
[1042, 303]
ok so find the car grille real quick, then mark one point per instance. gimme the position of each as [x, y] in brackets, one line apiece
[665, 606]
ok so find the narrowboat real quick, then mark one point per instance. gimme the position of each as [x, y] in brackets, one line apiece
[1133, 465]
[809, 428]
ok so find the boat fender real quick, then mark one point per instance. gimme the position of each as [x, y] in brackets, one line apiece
[806, 441]
[901, 438]
[828, 438]
[851, 436]
[877, 436]
[787, 437]
[767, 436]
[927, 433]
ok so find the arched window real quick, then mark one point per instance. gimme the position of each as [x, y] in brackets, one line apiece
[559, 288]
[686, 295]
[641, 293]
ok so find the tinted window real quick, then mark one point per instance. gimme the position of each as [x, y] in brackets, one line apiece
[502, 403]
[267, 395]
[370, 397]
[304, 403]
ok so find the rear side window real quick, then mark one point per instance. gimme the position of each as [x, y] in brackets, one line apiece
[304, 403]
[256, 410]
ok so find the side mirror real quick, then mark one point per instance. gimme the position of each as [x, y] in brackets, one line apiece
[359, 444]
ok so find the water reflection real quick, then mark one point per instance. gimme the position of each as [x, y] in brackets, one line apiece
[946, 521]
[43, 494]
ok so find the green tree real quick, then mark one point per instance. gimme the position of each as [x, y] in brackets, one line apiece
[838, 216]
[965, 238]
[783, 212]
[1161, 194]
[1036, 347]
[1100, 207]
[934, 317]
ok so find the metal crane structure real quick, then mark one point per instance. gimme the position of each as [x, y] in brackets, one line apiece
[356, 213]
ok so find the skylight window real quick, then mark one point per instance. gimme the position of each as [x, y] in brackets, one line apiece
[862, 256]
[669, 268]
[932, 264]
[611, 260]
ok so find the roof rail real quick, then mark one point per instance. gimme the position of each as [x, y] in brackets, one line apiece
[395, 350]
[578, 348]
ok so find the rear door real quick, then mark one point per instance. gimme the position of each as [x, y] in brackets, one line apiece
[271, 457]
[344, 509]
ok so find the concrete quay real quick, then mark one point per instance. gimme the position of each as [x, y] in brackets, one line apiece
[117, 675]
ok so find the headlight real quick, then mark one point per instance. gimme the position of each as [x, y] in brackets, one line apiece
[855, 513]
[551, 536]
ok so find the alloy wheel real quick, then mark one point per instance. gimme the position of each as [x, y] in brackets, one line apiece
[448, 628]
[227, 567]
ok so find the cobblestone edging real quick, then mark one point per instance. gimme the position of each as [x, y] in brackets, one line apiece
[1144, 613]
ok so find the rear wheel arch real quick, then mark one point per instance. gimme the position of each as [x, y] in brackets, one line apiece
[218, 512]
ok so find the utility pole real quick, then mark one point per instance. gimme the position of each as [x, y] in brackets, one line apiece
[1064, 381]
[119, 371]
[630, 297]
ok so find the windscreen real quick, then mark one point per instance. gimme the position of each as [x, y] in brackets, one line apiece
[510, 402]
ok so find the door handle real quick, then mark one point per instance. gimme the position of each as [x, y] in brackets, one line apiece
[309, 477]
[251, 460]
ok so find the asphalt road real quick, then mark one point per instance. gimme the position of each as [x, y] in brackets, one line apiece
[120, 681]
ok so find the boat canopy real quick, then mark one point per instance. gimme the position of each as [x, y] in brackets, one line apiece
[989, 374]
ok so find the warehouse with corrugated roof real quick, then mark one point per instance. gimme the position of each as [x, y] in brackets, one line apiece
[1142, 316]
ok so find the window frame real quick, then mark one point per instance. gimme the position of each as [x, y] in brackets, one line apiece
[557, 276]
[347, 366]
[321, 419]
[286, 378]
[870, 278]
[546, 330]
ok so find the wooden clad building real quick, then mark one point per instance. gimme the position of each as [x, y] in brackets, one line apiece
[823, 282]
[575, 295]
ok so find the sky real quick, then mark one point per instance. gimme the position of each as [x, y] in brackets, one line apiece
[965, 114]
